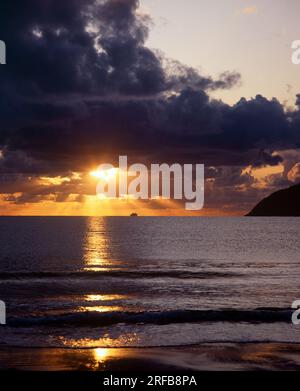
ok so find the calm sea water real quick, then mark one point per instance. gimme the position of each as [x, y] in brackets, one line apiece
[109, 282]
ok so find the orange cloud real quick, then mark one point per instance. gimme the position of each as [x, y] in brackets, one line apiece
[294, 173]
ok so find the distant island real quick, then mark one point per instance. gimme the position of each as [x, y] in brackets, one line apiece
[281, 203]
[134, 215]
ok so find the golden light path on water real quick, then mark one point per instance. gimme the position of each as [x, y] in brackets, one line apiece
[126, 340]
[102, 356]
[95, 246]
[99, 308]
[104, 297]
[96, 258]
[104, 300]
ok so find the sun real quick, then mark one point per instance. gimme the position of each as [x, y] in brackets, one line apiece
[105, 175]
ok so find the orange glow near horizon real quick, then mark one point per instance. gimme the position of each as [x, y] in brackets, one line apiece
[94, 210]
[87, 203]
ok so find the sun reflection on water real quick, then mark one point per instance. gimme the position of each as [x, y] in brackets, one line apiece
[97, 258]
[102, 344]
[101, 354]
[106, 308]
[96, 245]
[104, 297]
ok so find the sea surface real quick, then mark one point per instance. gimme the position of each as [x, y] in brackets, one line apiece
[72, 282]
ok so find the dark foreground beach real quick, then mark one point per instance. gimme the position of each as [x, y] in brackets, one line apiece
[207, 357]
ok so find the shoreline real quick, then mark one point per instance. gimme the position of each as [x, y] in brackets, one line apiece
[204, 357]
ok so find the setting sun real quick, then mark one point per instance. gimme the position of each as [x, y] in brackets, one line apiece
[105, 175]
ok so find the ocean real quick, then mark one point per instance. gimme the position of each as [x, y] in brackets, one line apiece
[76, 282]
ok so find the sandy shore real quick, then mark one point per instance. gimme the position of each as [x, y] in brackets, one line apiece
[225, 357]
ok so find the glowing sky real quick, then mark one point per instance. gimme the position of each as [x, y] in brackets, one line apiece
[172, 81]
[251, 37]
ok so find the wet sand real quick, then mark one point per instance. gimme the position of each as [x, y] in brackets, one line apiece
[206, 357]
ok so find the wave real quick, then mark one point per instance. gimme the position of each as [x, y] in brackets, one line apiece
[97, 319]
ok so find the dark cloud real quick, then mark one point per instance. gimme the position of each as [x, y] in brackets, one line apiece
[87, 47]
[266, 159]
[80, 79]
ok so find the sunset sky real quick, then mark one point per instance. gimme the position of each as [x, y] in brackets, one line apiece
[170, 81]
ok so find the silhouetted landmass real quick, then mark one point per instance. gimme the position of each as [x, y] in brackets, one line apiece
[282, 203]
